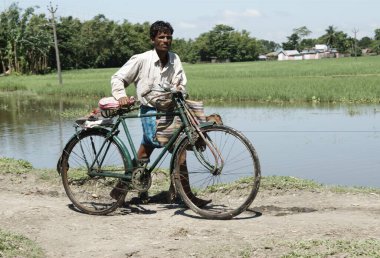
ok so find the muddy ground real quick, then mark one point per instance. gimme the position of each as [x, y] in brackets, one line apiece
[275, 221]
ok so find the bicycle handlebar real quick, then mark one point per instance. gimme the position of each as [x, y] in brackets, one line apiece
[133, 104]
[165, 88]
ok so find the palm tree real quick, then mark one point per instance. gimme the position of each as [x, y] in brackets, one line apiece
[330, 36]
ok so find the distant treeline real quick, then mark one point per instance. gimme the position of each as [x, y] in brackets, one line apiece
[26, 42]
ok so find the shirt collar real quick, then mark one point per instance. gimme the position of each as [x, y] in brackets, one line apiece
[156, 58]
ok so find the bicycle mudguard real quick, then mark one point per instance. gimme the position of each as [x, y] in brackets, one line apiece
[76, 135]
[181, 138]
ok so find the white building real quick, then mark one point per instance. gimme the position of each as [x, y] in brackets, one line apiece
[289, 55]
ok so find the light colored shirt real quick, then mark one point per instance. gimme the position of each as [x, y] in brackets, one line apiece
[144, 70]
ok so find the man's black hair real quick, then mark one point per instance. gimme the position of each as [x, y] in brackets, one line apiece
[160, 26]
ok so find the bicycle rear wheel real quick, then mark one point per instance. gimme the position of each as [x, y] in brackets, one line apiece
[226, 191]
[90, 151]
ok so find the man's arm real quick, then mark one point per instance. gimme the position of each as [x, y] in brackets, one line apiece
[180, 79]
[123, 77]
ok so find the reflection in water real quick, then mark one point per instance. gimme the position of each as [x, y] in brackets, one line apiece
[330, 144]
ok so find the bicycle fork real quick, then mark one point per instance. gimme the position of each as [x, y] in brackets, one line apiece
[219, 161]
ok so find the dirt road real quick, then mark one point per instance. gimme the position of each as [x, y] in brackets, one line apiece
[275, 222]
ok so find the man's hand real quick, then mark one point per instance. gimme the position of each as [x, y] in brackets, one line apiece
[124, 101]
[181, 88]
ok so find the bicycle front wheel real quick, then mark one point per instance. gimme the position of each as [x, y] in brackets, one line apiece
[89, 152]
[221, 186]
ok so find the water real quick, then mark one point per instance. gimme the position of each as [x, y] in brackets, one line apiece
[333, 145]
[329, 144]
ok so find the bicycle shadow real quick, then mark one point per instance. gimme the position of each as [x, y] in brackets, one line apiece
[248, 214]
[180, 209]
[126, 209]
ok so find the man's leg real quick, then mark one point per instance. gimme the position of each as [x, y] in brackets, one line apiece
[184, 178]
[144, 152]
[148, 144]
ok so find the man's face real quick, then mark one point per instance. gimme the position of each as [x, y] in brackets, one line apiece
[162, 41]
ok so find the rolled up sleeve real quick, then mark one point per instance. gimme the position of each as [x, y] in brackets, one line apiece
[124, 76]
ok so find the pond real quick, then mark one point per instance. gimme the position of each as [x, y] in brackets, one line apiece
[333, 144]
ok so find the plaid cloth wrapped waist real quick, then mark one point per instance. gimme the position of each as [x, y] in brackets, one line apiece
[167, 125]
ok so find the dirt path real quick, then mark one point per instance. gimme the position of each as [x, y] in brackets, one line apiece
[42, 213]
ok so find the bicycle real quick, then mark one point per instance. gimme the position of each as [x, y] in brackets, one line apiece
[222, 164]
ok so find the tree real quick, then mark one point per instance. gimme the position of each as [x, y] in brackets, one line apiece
[330, 38]
[97, 41]
[201, 47]
[307, 43]
[69, 43]
[292, 43]
[302, 32]
[220, 44]
[266, 46]
[36, 45]
[336, 39]
[375, 45]
[128, 39]
[3, 42]
[343, 43]
[14, 26]
[377, 34]
[297, 39]
[224, 43]
[243, 47]
[13, 31]
[184, 49]
[365, 42]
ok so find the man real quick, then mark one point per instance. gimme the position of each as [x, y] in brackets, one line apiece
[152, 67]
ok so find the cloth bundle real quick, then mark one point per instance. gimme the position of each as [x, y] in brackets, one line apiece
[167, 125]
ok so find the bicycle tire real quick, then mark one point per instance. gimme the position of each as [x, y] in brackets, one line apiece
[91, 194]
[230, 190]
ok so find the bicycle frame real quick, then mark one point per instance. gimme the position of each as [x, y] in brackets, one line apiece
[185, 128]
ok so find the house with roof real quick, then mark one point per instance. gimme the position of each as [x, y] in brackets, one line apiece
[317, 52]
[289, 55]
[321, 48]
[309, 54]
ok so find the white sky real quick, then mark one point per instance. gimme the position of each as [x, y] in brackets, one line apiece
[266, 19]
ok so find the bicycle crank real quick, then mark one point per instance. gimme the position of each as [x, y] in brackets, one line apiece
[141, 179]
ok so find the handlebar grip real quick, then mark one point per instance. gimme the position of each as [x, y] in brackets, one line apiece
[131, 101]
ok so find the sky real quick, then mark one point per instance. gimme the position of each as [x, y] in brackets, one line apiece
[272, 20]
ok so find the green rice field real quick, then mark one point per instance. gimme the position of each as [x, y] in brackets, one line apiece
[327, 80]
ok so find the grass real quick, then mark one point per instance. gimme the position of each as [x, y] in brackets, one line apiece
[10, 165]
[333, 248]
[14, 245]
[287, 183]
[312, 248]
[283, 183]
[327, 80]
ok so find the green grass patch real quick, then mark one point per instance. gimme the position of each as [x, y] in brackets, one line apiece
[341, 80]
[286, 183]
[333, 248]
[10, 165]
[162, 180]
[14, 245]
